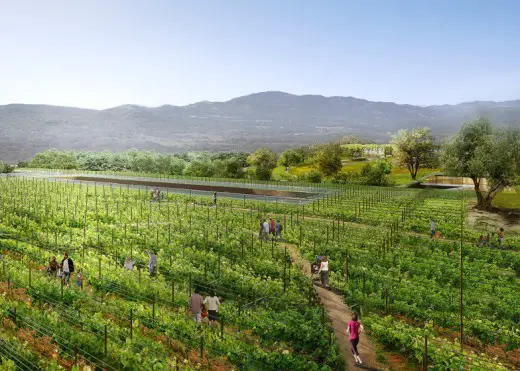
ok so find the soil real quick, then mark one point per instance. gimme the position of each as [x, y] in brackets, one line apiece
[339, 314]
[491, 221]
[197, 187]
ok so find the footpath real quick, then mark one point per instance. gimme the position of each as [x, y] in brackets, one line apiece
[339, 314]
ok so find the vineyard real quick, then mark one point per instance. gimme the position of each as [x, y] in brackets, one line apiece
[405, 286]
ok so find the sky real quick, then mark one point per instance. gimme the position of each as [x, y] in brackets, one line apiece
[104, 53]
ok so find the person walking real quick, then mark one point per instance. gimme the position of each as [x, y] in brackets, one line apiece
[79, 279]
[213, 303]
[500, 237]
[354, 328]
[152, 263]
[215, 198]
[129, 264]
[278, 228]
[196, 302]
[272, 226]
[432, 229]
[324, 272]
[53, 267]
[67, 267]
[261, 231]
[266, 230]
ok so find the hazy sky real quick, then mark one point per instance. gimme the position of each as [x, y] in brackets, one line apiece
[99, 54]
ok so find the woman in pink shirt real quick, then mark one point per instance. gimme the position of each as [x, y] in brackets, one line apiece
[354, 328]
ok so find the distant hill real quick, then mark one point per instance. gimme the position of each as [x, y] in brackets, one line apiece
[274, 119]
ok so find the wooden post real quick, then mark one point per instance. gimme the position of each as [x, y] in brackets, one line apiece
[425, 354]
[131, 323]
[284, 268]
[153, 310]
[346, 268]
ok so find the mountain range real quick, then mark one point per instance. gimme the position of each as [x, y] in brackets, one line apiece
[270, 119]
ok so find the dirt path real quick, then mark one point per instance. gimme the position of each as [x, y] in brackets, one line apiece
[339, 313]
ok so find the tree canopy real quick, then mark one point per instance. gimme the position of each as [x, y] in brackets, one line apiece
[480, 151]
[264, 160]
[328, 159]
[415, 149]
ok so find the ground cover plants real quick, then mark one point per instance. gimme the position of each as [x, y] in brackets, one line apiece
[383, 262]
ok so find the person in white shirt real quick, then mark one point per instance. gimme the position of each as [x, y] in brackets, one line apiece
[432, 228]
[213, 304]
[129, 264]
[324, 272]
[266, 230]
[67, 267]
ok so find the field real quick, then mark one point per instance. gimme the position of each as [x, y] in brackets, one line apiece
[405, 286]
[398, 176]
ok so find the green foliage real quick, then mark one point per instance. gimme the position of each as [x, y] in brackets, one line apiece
[328, 159]
[55, 159]
[314, 176]
[375, 173]
[200, 168]
[291, 157]
[354, 150]
[6, 168]
[415, 149]
[388, 150]
[264, 161]
[480, 151]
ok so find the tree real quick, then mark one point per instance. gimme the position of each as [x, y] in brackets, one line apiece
[328, 159]
[388, 150]
[200, 168]
[479, 151]
[375, 173]
[415, 149]
[290, 157]
[264, 161]
[354, 150]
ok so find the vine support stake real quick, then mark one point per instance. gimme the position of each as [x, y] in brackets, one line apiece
[425, 354]
[106, 338]
[346, 268]
[131, 323]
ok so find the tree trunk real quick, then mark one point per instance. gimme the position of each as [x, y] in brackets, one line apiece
[485, 199]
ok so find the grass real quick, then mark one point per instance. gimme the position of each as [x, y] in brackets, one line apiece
[399, 175]
[508, 198]
[402, 176]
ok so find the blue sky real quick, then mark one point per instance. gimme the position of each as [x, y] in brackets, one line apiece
[99, 54]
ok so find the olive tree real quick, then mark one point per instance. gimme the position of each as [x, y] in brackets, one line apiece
[415, 149]
[328, 159]
[480, 151]
[264, 160]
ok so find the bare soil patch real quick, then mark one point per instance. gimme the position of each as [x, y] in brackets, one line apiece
[196, 187]
[490, 221]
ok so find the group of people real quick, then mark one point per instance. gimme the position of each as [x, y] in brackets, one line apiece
[204, 309]
[157, 195]
[270, 228]
[64, 270]
[488, 239]
[152, 263]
